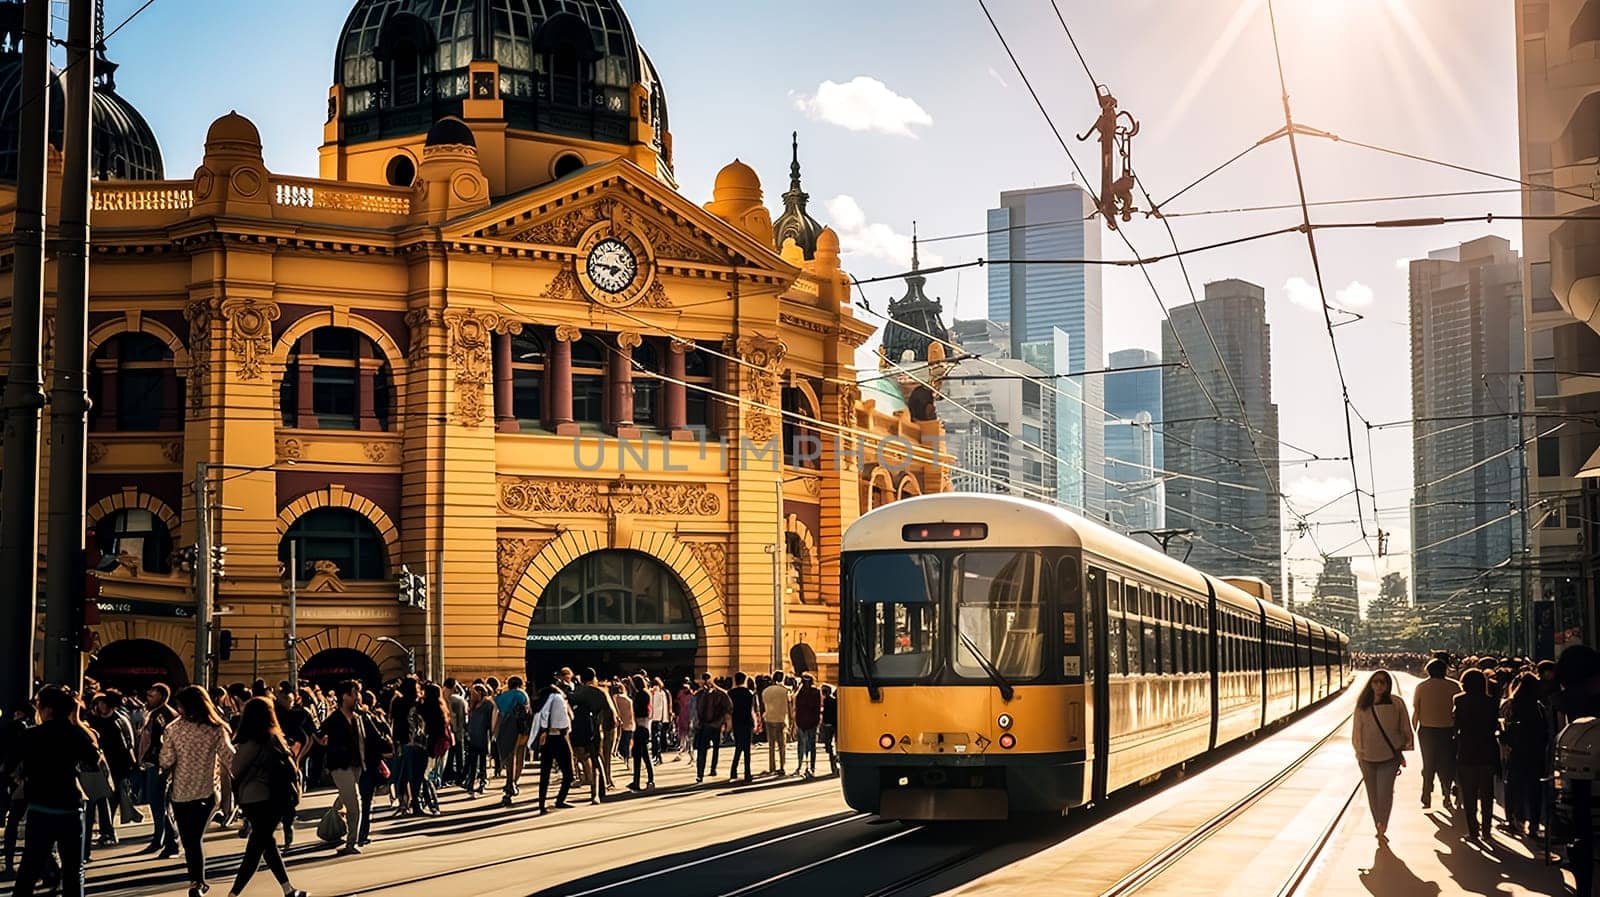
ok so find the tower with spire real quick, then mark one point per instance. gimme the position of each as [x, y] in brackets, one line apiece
[915, 341]
[796, 223]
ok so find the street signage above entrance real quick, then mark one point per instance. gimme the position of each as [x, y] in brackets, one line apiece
[134, 607]
[612, 638]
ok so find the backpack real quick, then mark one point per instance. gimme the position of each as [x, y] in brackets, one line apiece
[585, 730]
[283, 776]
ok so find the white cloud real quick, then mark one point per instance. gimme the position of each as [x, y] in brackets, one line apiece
[1308, 492]
[872, 239]
[1304, 293]
[864, 104]
[996, 75]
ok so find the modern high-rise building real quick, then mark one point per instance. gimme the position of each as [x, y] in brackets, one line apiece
[1135, 495]
[1558, 100]
[1054, 316]
[1466, 345]
[1216, 486]
[1335, 601]
[997, 428]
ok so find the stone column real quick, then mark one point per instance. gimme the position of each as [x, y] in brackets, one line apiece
[505, 414]
[674, 395]
[305, 411]
[558, 380]
[620, 386]
[366, 388]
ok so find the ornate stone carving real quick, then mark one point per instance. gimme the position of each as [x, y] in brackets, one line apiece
[713, 557]
[250, 333]
[656, 296]
[525, 495]
[849, 395]
[470, 356]
[567, 333]
[172, 451]
[418, 321]
[628, 339]
[564, 285]
[198, 313]
[97, 452]
[514, 555]
[289, 449]
[761, 355]
[376, 452]
[324, 578]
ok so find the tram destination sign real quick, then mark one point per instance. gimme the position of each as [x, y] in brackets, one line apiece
[134, 607]
[613, 638]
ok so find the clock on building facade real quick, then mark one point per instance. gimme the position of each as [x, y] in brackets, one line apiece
[614, 265]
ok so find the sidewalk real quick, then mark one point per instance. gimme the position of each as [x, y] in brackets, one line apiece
[1427, 853]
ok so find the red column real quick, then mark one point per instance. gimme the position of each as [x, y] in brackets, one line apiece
[505, 416]
[366, 388]
[305, 413]
[674, 395]
[558, 380]
[619, 387]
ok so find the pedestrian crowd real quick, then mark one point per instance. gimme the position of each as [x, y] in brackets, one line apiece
[1487, 728]
[75, 766]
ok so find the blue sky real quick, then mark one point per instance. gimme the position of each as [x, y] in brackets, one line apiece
[1433, 77]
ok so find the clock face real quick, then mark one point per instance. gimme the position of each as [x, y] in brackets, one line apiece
[612, 265]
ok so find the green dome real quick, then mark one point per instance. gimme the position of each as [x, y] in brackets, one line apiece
[885, 392]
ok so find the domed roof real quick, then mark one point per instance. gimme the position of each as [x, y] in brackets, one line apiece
[233, 128]
[566, 66]
[884, 390]
[123, 148]
[736, 180]
[450, 131]
[796, 223]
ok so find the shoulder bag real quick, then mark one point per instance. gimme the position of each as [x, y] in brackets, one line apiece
[1378, 721]
[96, 782]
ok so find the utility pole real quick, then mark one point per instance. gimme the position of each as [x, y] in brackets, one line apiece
[1527, 528]
[202, 573]
[24, 394]
[69, 397]
[289, 642]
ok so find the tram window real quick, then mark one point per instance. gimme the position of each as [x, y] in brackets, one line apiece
[897, 613]
[1077, 622]
[1135, 645]
[1152, 632]
[1116, 655]
[998, 609]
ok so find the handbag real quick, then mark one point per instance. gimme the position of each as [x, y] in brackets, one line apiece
[1379, 723]
[96, 782]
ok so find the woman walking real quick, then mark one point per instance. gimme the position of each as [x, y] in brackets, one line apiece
[436, 724]
[1527, 738]
[260, 746]
[641, 734]
[480, 725]
[194, 752]
[1477, 751]
[1381, 733]
[49, 756]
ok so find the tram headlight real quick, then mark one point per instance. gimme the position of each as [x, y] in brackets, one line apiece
[1004, 721]
[1008, 741]
[886, 741]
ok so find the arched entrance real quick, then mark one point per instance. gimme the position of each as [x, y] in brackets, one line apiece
[617, 611]
[330, 667]
[132, 665]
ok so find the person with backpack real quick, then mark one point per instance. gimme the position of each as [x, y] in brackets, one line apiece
[807, 719]
[343, 739]
[513, 721]
[712, 711]
[591, 711]
[266, 788]
[195, 749]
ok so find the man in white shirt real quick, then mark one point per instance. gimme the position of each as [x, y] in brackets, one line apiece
[660, 717]
[775, 715]
[550, 727]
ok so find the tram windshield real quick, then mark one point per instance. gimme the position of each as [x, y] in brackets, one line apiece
[895, 598]
[997, 601]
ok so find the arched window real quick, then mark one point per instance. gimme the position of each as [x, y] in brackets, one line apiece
[527, 378]
[588, 381]
[646, 385]
[801, 447]
[406, 49]
[614, 588]
[134, 386]
[136, 532]
[340, 535]
[699, 376]
[336, 379]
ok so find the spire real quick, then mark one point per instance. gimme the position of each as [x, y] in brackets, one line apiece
[914, 316]
[105, 70]
[796, 223]
[914, 265]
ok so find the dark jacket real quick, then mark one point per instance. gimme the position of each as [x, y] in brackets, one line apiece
[1477, 724]
[116, 742]
[743, 702]
[50, 754]
[830, 710]
[808, 707]
[344, 736]
[1527, 734]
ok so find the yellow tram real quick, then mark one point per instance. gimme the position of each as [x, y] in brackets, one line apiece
[999, 656]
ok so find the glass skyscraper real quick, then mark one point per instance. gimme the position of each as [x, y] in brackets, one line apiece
[1135, 496]
[1054, 313]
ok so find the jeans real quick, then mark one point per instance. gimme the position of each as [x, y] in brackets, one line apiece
[1379, 779]
[413, 768]
[625, 744]
[1525, 794]
[100, 816]
[62, 832]
[368, 786]
[808, 748]
[263, 845]
[555, 750]
[475, 774]
[777, 750]
[742, 736]
[1477, 795]
[192, 816]
[706, 738]
[825, 735]
[1438, 746]
[641, 757]
[658, 739]
[155, 783]
[348, 783]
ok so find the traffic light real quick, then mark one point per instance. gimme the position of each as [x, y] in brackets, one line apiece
[219, 561]
[186, 557]
[224, 645]
[419, 592]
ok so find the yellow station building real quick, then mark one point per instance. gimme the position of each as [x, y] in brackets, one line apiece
[490, 343]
